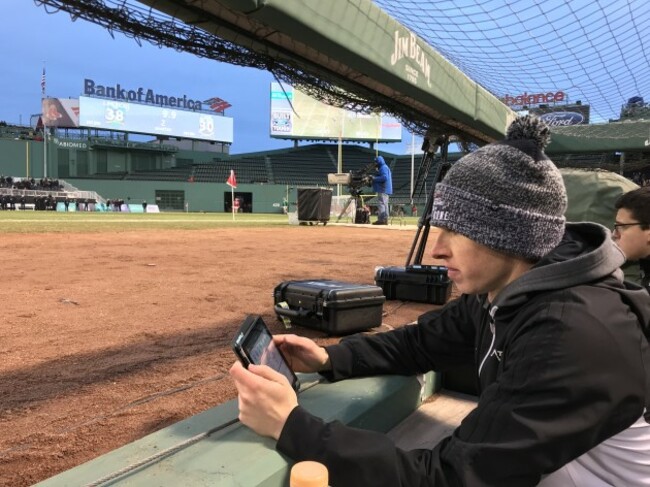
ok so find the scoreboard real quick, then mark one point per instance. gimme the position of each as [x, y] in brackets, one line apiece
[125, 116]
[296, 115]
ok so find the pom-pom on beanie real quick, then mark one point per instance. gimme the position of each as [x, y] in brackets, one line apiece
[508, 195]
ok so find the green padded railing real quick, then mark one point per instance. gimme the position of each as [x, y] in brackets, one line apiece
[235, 456]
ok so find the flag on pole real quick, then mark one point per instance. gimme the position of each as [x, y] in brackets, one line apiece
[43, 82]
[232, 181]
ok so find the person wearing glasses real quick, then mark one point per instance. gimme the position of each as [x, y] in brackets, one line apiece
[632, 229]
[557, 338]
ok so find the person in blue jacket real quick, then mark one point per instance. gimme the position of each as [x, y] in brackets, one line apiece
[382, 184]
[558, 341]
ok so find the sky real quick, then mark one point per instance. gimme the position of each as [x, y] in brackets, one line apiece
[597, 53]
[71, 51]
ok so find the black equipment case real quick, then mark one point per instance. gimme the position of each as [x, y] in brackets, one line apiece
[420, 283]
[334, 307]
[362, 216]
[314, 204]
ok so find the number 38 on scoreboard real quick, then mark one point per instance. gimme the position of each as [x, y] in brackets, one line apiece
[114, 115]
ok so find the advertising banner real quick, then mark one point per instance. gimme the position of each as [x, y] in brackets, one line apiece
[563, 115]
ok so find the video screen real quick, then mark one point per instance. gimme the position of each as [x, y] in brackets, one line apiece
[148, 119]
[296, 115]
[60, 112]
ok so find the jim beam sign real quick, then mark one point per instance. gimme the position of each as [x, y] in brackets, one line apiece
[408, 47]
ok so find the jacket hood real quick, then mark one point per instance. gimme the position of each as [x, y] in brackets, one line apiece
[380, 160]
[585, 255]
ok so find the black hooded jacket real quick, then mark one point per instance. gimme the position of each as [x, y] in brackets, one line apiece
[644, 264]
[563, 364]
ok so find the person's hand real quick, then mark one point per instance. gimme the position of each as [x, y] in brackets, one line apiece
[265, 398]
[302, 353]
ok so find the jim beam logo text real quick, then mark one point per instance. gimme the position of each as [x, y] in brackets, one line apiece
[408, 47]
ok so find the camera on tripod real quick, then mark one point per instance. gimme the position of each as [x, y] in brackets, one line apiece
[354, 180]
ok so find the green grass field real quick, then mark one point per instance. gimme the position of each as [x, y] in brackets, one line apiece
[82, 222]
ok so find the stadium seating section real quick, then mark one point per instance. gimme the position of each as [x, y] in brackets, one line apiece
[306, 165]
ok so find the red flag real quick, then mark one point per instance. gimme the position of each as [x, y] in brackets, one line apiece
[43, 82]
[232, 181]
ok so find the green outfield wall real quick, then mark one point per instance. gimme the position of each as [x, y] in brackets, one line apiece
[21, 158]
[266, 198]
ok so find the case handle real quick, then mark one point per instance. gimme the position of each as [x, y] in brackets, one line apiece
[292, 313]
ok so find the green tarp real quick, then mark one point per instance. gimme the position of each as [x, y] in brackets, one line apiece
[592, 195]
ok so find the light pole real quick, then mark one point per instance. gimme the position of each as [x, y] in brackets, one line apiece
[412, 162]
[339, 165]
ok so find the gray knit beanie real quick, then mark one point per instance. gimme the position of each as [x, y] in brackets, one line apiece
[507, 195]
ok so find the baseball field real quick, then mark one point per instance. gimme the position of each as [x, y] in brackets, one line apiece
[116, 325]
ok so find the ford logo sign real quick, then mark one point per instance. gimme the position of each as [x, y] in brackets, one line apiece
[561, 119]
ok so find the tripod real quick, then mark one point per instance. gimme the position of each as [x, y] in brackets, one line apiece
[441, 167]
[353, 197]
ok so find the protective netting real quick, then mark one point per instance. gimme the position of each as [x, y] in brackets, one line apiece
[147, 24]
[597, 52]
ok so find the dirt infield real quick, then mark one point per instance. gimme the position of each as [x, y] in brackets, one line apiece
[107, 337]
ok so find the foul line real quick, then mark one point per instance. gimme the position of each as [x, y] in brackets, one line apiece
[91, 220]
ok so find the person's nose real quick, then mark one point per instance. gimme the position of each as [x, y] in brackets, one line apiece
[440, 249]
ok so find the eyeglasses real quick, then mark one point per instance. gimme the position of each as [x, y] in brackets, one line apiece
[617, 226]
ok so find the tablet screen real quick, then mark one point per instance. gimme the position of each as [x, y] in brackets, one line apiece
[258, 346]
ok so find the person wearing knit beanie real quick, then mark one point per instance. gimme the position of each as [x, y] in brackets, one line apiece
[557, 343]
[508, 195]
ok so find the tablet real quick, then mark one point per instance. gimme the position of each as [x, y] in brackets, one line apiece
[253, 344]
